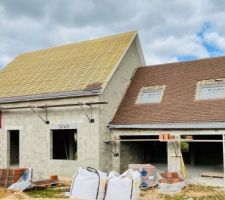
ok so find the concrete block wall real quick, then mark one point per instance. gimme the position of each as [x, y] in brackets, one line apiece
[35, 145]
[113, 94]
[35, 139]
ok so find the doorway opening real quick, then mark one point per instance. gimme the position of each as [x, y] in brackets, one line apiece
[14, 148]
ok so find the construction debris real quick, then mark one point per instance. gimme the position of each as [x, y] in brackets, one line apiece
[47, 183]
[212, 174]
[25, 181]
[148, 175]
[10, 176]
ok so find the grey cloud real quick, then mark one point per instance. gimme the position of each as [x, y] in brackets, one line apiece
[21, 8]
[167, 28]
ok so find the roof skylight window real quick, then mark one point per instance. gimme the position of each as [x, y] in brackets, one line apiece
[151, 94]
[210, 89]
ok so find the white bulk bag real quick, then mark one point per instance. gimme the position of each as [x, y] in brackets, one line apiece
[88, 184]
[124, 187]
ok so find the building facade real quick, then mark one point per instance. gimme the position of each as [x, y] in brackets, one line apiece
[56, 104]
[185, 100]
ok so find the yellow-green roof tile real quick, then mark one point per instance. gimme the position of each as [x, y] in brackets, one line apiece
[64, 69]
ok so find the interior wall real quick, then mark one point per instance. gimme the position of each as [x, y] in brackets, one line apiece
[204, 153]
[142, 153]
[130, 153]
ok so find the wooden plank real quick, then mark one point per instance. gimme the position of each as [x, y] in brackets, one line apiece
[47, 183]
[212, 174]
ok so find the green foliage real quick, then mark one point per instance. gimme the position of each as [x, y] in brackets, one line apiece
[46, 193]
[184, 146]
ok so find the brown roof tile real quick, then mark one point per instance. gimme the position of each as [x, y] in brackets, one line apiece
[178, 104]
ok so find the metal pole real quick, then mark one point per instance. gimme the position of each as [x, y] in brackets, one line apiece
[224, 162]
[172, 140]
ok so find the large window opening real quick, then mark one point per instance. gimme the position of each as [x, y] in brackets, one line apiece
[64, 144]
[14, 149]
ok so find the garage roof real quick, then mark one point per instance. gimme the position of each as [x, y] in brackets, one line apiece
[76, 68]
[179, 103]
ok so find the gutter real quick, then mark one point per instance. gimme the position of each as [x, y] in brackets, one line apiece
[57, 95]
[159, 126]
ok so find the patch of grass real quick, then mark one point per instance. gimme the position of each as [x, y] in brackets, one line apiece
[46, 193]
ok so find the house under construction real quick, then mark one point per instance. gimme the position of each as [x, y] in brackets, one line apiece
[96, 104]
[185, 100]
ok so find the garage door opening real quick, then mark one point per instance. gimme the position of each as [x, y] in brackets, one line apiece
[134, 149]
[204, 159]
[14, 148]
[64, 144]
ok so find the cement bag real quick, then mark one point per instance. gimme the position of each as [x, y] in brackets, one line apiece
[88, 184]
[124, 187]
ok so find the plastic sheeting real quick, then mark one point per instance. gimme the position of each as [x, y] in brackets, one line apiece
[148, 175]
[171, 188]
[24, 182]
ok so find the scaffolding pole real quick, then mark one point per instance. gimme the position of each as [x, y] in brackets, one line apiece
[224, 162]
[157, 140]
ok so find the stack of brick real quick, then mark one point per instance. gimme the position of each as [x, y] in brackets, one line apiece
[10, 176]
[166, 137]
[170, 178]
[148, 174]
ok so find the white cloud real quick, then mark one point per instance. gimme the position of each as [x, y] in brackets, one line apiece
[216, 39]
[4, 59]
[168, 48]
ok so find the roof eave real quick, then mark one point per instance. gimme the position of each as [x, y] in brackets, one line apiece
[57, 95]
[174, 126]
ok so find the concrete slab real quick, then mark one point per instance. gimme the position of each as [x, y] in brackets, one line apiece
[194, 173]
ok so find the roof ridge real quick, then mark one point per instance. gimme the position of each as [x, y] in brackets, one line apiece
[79, 42]
[181, 62]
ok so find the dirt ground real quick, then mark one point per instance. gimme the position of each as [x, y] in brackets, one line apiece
[190, 193]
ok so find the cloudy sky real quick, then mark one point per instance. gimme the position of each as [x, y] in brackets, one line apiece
[169, 30]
